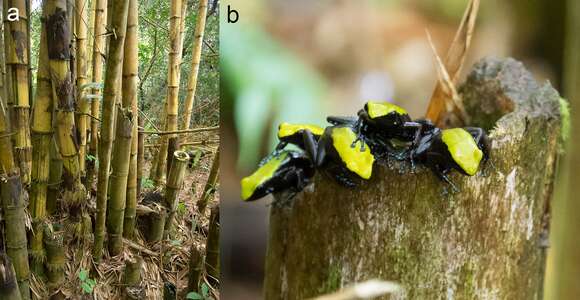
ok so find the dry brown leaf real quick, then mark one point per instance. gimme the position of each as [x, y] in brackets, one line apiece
[451, 97]
[454, 61]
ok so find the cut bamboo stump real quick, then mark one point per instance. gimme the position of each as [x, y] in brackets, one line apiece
[486, 241]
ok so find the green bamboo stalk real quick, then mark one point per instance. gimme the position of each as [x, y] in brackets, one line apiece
[54, 179]
[8, 285]
[212, 247]
[140, 156]
[16, 51]
[132, 278]
[55, 256]
[153, 224]
[132, 274]
[210, 185]
[11, 196]
[196, 263]
[174, 184]
[124, 135]
[42, 140]
[119, 14]
[130, 76]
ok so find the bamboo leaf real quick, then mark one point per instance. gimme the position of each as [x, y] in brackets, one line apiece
[193, 296]
[83, 275]
[205, 290]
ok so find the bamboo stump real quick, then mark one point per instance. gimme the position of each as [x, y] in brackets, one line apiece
[487, 241]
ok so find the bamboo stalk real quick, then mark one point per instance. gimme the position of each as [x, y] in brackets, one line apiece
[81, 13]
[16, 51]
[2, 63]
[212, 248]
[132, 278]
[174, 184]
[210, 185]
[132, 179]
[42, 141]
[8, 285]
[98, 47]
[140, 156]
[195, 143]
[195, 60]
[59, 54]
[196, 263]
[54, 179]
[170, 142]
[55, 256]
[132, 274]
[113, 75]
[175, 132]
[11, 196]
[126, 123]
[155, 224]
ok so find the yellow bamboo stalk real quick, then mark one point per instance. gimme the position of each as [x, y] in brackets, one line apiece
[58, 47]
[126, 122]
[169, 142]
[195, 60]
[81, 13]
[16, 51]
[42, 133]
[119, 14]
[98, 51]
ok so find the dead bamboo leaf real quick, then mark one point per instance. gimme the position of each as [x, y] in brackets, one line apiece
[454, 60]
[451, 97]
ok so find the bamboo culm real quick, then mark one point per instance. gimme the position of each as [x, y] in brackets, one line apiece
[111, 92]
[130, 75]
[42, 141]
[174, 184]
[16, 46]
[11, 196]
[195, 61]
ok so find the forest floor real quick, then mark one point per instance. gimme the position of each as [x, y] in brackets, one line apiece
[163, 262]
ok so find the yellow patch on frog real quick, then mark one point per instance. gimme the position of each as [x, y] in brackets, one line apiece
[356, 161]
[379, 109]
[287, 129]
[463, 149]
[264, 173]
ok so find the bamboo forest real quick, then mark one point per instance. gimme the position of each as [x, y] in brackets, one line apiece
[109, 133]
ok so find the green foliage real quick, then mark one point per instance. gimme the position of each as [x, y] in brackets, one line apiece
[91, 157]
[147, 183]
[205, 295]
[265, 84]
[181, 209]
[565, 113]
[87, 284]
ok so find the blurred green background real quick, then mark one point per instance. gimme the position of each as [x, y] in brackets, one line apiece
[299, 61]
